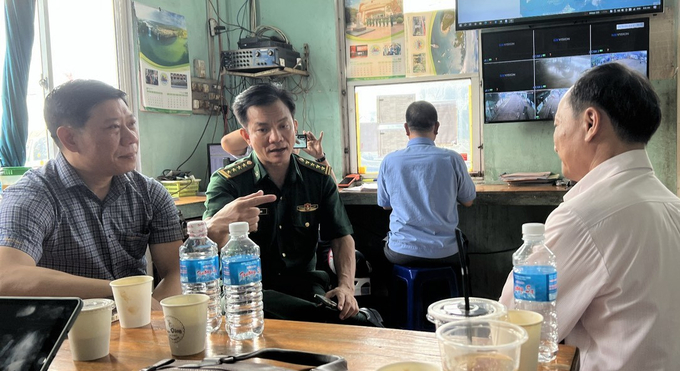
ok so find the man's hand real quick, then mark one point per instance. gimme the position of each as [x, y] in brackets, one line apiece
[347, 304]
[314, 147]
[242, 209]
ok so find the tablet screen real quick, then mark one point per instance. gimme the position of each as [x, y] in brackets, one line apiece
[32, 330]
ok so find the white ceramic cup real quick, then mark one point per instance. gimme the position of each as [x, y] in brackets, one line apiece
[91, 333]
[133, 300]
[186, 318]
[532, 322]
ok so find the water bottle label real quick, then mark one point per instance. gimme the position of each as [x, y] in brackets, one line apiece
[241, 270]
[536, 283]
[199, 270]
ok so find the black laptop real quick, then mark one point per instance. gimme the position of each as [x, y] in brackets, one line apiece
[32, 330]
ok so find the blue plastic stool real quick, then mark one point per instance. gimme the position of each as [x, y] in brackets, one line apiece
[415, 279]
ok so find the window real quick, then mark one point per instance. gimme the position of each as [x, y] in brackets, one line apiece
[66, 48]
[440, 67]
[378, 117]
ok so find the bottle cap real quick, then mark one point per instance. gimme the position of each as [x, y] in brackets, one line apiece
[197, 228]
[238, 228]
[533, 228]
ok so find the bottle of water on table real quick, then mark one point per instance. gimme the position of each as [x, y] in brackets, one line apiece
[242, 279]
[199, 266]
[535, 285]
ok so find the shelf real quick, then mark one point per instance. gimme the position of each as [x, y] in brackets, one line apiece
[273, 72]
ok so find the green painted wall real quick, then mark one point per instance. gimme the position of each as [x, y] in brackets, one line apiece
[311, 22]
[167, 140]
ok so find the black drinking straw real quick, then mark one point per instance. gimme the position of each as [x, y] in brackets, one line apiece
[465, 270]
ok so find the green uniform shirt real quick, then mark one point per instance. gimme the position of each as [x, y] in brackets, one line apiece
[288, 229]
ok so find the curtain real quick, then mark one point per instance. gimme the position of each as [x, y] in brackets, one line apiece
[19, 16]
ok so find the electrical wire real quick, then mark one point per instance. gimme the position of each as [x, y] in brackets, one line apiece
[199, 141]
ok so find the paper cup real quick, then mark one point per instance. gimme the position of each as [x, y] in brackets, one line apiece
[480, 344]
[91, 333]
[531, 322]
[133, 300]
[186, 318]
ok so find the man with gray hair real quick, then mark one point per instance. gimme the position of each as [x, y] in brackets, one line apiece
[616, 236]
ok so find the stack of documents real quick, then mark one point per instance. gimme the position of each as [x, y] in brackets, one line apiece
[545, 177]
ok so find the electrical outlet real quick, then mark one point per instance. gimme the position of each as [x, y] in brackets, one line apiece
[212, 25]
[305, 56]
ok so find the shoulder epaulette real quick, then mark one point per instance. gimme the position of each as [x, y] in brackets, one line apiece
[237, 168]
[323, 169]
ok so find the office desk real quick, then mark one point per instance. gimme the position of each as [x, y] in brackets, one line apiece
[364, 348]
[487, 194]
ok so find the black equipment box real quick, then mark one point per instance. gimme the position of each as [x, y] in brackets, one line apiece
[258, 59]
[257, 42]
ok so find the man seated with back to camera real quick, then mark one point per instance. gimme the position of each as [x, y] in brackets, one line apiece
[422, 185]
[616, 236]
[87, 217]
[288, 202]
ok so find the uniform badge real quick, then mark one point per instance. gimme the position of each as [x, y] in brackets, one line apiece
[307, 207]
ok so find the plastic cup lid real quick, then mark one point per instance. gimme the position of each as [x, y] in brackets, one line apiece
[453, 309]
[96, 304]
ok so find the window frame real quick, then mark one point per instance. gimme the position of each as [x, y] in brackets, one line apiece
[352, 154]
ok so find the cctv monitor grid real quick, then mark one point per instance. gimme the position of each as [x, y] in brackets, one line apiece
[526, 72]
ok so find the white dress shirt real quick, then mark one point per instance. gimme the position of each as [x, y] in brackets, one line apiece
[616, 238]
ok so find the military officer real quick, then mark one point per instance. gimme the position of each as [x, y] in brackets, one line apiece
[304, 206]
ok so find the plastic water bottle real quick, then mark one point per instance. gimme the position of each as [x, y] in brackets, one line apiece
[199, 266]
[535, 285]
[242, 279]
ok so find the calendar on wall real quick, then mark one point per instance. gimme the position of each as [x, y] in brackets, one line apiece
[165, 72]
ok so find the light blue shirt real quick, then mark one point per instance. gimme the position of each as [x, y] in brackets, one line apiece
[422, 184]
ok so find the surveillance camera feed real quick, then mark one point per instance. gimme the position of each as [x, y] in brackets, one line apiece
[526, 72]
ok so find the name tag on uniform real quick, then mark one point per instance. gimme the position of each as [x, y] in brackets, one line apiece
[264, 211]
[307, 207]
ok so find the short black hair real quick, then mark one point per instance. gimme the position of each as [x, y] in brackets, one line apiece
[625, 95]
[421, 116]
[260, 95]
[71, 103]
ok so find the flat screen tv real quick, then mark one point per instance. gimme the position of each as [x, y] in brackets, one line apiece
[526, 72]
[472, 14]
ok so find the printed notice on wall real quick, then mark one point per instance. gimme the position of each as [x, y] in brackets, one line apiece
[433, 47]
[374, 34]
[165, 72]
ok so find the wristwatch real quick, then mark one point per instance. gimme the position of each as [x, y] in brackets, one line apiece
[322, 158]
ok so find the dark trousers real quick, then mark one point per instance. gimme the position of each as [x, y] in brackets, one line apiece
[291, 297]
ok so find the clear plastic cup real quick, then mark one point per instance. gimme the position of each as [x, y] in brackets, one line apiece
[480, 345]
[133, 300]
[91, 333]
[186, 317]
[453, 309]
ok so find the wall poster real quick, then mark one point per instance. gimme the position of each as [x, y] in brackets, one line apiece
[434, 47]
[374, 35]
[165, 72]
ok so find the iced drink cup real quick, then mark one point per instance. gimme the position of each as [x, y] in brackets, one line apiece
[480, 345]
[186, 318]
[133, 300]
[90, 335]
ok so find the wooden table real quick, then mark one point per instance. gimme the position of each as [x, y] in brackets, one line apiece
[365, 348]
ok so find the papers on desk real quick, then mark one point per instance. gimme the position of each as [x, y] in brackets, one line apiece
[364, 187]
[545, 177]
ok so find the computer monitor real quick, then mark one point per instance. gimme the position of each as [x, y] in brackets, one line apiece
[218, 157]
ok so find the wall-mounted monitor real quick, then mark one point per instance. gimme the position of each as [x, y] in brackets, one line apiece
[526, 72]
[470, 15]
